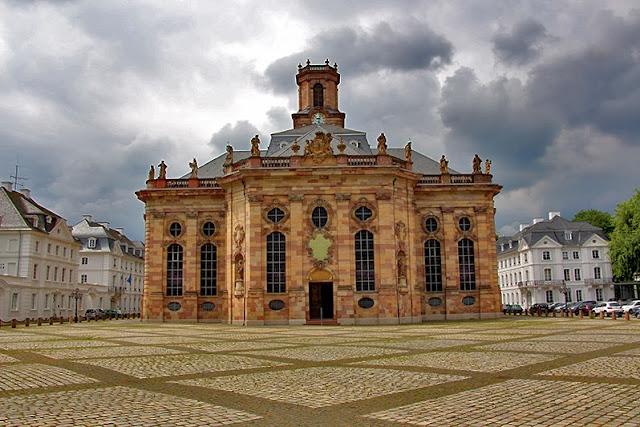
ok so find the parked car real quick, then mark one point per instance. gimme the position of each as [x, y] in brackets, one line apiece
[635, 312]
[113, 312]
[569, 307]
[515, 309]
[92, 313]
[632, 304]
[585, 307]
[556, 306]
[541, 307]
[608, 308]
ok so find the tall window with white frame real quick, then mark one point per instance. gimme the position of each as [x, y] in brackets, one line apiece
[597, 273]
[578, 295]
[549, 295]
[433, 266]
[466, 265]
[174, 270]
[208, 269]
[599, 295]
[365, 266]
[276, 263]
[547, 274]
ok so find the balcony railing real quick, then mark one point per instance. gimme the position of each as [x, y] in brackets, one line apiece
[602, 281]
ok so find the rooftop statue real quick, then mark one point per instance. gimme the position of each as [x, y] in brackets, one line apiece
[152, 173]
[407, 152]
[228, 161]
[194, 168]
[444, 165]
[477, 161]
[162, 174]
[487, 167]
[255, 143]
[382, 144]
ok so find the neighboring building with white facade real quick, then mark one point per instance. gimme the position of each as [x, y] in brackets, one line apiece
[111, 262]
[39, 260]
[554, 260]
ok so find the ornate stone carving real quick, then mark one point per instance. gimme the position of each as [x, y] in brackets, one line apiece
[382, 144]
[255, 198]
[401, 231]
[238, 236]
[157, 214]
[341, 197]
[480, 209]
[192, 214]
[448, 210]
[275, 203]
[228, 161]
[319, 149]
[341, 146]
[296, 197]
[320, 246]
[255, 146]
[383, 195]
[194, 168]
[295, 147]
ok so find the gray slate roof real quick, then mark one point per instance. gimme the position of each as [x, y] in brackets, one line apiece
[281, 142]
[554, 229]
[19, 211]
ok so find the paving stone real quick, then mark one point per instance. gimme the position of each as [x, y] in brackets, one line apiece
[7, 359]
[163, 366]
[320, 354]
[115, 406]
[235, 346]
[120, 351]
[546, 347]
[33, 375]
[608, 367]
[467, 361]
[423, 344]
[318, 387]
[524, 403]
[36, 345]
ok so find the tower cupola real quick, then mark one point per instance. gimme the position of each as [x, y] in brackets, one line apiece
[318, 95]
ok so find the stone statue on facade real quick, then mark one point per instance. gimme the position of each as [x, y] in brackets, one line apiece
[162, 174]
[194, 168]
[255, 146]
[152, 173]
[487, 167]
[382, 144]
[444, 165]
[477, 162]
[407, 151]
[228, 161]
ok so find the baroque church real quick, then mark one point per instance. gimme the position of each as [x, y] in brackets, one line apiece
[320, 228]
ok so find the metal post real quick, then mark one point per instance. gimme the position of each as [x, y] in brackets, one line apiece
[321, 316]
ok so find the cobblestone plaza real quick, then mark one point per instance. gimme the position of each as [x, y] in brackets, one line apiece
[510, 371]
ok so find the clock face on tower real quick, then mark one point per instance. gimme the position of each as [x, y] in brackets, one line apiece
[318, 118]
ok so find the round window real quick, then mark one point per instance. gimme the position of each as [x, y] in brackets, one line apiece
[464, 224]
[431, 225]
[365, 303]
[208, 306]
[174, 306]
[319, 217]
[363, 213]
[209, 229]
[175, 229]
[435, 301]
[468, 300]
[275, 215]
[276, 304]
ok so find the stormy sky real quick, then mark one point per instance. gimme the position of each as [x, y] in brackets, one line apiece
[94, 92]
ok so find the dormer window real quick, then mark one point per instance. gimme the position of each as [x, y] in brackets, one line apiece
[568, 235]
[318, 95]
[91, 243]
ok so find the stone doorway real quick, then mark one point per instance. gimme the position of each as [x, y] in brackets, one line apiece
[320, 301]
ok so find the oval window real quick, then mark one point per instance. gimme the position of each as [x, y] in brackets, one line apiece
[174, 306]
[276, 304]
[208, 306]
[431, 225]
[468, 300]
[275, 215]
[209, 229]
[175, 229]
[464, 224]
[363, 213]
[435, 301]
[319, 217]
[366, 302]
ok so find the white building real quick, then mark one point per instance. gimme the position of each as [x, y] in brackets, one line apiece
[554, 260]
[39, 260]
[111, 262]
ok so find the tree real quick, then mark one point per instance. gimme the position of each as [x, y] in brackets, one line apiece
[596, 218]
[625, 240]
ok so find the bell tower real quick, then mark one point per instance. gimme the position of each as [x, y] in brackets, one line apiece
[318, 95]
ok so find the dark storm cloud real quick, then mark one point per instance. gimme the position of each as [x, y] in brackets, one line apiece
[238, 135]
[409, 45]
[597, 86]
[521, 45]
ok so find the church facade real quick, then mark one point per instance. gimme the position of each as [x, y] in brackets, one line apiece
[320, 228]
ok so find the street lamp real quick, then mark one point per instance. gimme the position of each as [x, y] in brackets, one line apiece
[77, 295]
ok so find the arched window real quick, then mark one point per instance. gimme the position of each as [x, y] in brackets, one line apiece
[466, 263]
[318, 95]
[174, 270]
[276, 263]
[433, 266]
[319, 216]
[365, 269]
[208, 269]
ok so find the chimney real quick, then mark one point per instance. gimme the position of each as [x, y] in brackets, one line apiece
[87, 217]
[105, 225]
[8, 185]
[26, 193]
[553, 214]
[523, 226]
[120, 230]
[537, 220]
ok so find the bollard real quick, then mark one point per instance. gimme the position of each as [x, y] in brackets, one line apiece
[613, 315]
[581, 315]
[39, 321]
[562, 313]
[539, 312]
[70, 319]
[591, 315]
[553, 314]
[14, 323]
[27, 322]
[602, 314]
[61, 320]
[51, 320]
[626, 315]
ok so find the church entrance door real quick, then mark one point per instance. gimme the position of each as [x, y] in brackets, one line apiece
[320, 301]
